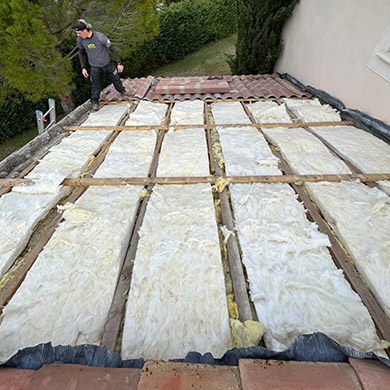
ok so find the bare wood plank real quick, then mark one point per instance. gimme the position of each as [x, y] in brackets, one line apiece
[118, 181]
[235, 265]
[233, 254]
[168, 115]
[363, 177]
[208, 139]
[142, 181]
[16, 182]
[13, 284]
[202, 126]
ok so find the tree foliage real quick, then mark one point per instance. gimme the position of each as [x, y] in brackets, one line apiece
[184, 27]
[259, 32]
[34, 33]
[29, 61]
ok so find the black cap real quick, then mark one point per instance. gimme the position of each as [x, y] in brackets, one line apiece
[79, 26]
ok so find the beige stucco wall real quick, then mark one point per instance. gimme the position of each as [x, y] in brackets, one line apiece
[327, 44]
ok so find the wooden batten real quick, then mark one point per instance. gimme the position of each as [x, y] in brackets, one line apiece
[298, 179]
[202, 126]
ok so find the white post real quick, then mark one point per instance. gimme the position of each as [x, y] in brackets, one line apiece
[41, 126]
[52, 108]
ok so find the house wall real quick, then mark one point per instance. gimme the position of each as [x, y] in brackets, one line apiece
[327, 44]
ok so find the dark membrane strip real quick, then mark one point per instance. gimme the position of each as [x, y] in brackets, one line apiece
[316, 347]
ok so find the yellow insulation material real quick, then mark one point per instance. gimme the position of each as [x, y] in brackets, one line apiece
[221, 183]
[232, 306]
[384, 344]
[89, 162]
[143, 194]
[247, 334]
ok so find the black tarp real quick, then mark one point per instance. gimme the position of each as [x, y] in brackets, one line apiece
[316, 347]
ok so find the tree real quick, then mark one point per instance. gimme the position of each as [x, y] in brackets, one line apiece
[34, 34]
[260, 26]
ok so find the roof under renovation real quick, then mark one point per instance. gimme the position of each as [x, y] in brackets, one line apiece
[197, 217]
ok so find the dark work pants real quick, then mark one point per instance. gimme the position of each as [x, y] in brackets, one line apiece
[96, 78]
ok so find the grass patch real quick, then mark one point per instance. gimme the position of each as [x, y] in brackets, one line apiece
[15, 143]
[210, 59]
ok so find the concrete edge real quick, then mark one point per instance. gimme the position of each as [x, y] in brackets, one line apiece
[12, 165]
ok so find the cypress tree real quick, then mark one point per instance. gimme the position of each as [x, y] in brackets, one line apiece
[260, 26]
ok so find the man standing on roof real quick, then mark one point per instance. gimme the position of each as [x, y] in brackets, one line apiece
[96, 46]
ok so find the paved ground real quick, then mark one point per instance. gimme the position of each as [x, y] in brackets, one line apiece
[250, 375]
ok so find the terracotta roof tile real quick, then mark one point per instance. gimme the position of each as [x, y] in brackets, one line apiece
[191, 88]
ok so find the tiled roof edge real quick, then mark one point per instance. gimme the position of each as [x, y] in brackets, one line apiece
[362, 120]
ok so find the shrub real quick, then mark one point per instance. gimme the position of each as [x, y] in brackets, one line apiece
[184, 28]
[259, 33]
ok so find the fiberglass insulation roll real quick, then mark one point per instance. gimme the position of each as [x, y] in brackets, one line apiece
[304, 152]
[229, 113]
[108, 115]
[360, 215]
[246, 152]
[23, 207]
[294, 284]
[269, 112]
[66, 296]
[188, 113]
[130, 155]
[367, 152]
[184, 153]
[312, 110]
[177, 299]
[148, 114]
[361, 218]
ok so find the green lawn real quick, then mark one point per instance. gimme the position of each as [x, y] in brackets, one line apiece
[209, 60]
[15, 143]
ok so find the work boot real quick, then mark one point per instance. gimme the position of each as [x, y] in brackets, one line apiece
[95, 107]
[126, 94]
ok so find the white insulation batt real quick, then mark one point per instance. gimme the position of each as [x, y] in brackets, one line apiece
[246, 152]
[307, 110]
[360, 215]
[184, 153]
[304, 152]
[147, 114]
[177, 299]
[294, 284]
[367, 152]
[108, 115]
[66, 296]
[23, 207]
[295, 287]
[229, 113]
[188, 113]
[130, 155]
[269, 112]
